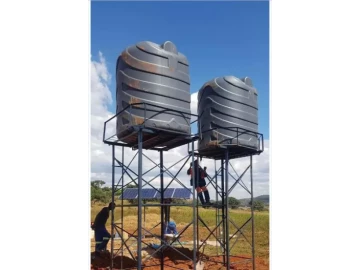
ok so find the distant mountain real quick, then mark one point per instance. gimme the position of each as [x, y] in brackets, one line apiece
[264, 198]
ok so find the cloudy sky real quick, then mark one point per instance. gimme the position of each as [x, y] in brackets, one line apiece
[245, 53]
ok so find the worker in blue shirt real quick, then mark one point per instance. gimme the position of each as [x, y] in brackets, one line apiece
[171, 228]
[170, 234]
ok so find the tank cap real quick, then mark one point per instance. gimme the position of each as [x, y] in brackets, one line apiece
[247, 81]
[234, 81]
[169, 47]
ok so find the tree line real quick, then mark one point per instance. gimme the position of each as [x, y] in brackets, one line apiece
[235, 203]
[99, 193]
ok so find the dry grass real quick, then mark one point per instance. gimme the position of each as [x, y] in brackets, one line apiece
[183, 216]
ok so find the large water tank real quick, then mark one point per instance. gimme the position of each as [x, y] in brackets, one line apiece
[228, 103]
[157, 75]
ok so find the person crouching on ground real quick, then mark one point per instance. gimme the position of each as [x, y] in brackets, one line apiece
[200, 183]
[102, 236]
[170, 233]
[170, 228]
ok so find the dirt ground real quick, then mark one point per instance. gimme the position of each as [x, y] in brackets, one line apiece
[174, 260]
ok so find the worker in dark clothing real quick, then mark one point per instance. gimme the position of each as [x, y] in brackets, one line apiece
[200, 184]
[102, 236]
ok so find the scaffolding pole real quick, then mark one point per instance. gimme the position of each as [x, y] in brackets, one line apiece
[140, 135]
[162, 207]
[113, 202]
[252, 215]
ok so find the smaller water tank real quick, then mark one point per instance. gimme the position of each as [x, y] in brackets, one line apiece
[159, 76]
[228, 102]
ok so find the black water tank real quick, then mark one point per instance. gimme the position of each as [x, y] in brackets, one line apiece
[154, 74]
[228, 102]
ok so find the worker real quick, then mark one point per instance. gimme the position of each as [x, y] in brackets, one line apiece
[170, 228]
[170, 234]
[200, 183]
[102, 236]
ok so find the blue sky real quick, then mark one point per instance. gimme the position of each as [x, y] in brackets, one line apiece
[228, 38]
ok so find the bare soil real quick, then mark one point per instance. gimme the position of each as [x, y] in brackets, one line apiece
[174, 260]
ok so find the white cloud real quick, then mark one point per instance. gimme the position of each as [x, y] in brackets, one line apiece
[193, 105]
[100, 93]
[101, 153]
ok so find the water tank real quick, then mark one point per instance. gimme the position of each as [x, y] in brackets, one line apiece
[157, 75]
[228, 102]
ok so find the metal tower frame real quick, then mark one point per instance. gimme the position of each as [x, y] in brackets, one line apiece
[221, 230]
[162, 141]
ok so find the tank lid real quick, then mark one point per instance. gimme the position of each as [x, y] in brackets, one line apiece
[169, 47]
[247, 81]
[239, 82]
[164, 50]
[152, 47]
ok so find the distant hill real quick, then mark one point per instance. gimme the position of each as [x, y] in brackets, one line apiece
[264, 198]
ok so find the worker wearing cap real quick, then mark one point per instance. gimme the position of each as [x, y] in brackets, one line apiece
[102, 236]
[200, 184]
[170, 234]
[171, 228]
